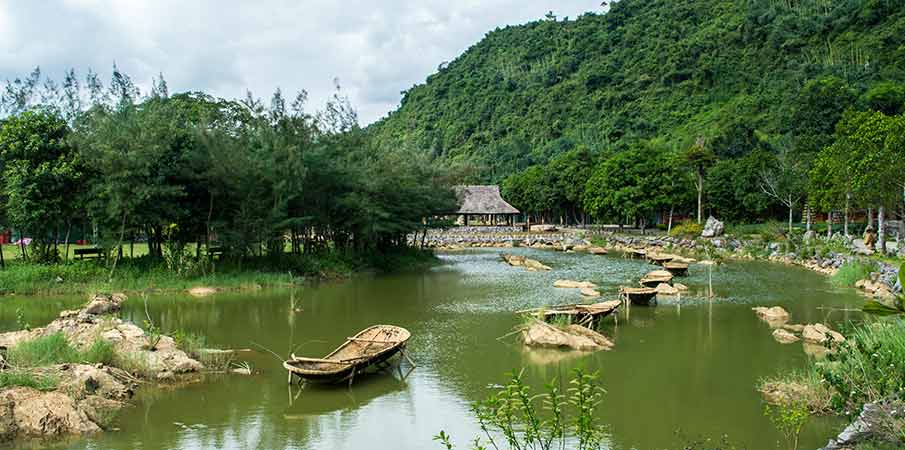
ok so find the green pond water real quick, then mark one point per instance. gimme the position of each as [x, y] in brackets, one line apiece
[679, 372]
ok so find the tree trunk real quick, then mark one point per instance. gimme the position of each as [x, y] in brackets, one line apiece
[807, 212]
[901, 234]
[870, 217]
[881, 230]
[122, 232]
[829, 225]
[848, 198]
[669, 227]
[790, 217]
[2, 261]
[700, 197]
[68, 232]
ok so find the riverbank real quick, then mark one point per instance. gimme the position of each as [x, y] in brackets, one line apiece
[144, 274]
[72, 376]
[817, 254]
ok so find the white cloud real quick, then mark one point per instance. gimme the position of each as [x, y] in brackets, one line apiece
[376, 49]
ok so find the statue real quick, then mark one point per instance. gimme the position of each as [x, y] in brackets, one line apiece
[870, 238]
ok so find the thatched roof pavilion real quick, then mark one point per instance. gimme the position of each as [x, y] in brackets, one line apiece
[482, 201]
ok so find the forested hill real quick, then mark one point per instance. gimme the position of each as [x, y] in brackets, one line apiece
[732, 71]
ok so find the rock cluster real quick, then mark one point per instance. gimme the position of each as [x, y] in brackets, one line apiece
[817, 338]
[87, 395]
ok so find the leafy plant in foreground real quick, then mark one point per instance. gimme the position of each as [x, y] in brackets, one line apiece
[789, 418]
[539, 421]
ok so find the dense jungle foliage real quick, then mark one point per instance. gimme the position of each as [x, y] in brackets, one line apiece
[757, 85]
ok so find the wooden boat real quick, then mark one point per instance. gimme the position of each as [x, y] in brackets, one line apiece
[638, 296]
[371, 346]
[583, 314]
[659, 259]
[676, 268]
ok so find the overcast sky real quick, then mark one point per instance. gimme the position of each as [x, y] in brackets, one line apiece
[375, 48]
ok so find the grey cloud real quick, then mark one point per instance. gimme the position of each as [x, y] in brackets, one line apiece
[376, 49]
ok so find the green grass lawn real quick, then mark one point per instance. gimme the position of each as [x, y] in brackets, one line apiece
[12, 251]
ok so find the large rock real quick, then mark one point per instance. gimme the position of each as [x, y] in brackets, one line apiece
[784, 337]
[535, 265]
[876, 423]
[666, 289]
[820, 334]
[713, 228]
[775, 316]
[202, 291]
[576, 337]
[28, 412]
[101, 304]
[571, 284]
[588, 292]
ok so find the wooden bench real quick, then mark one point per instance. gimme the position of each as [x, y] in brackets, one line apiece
[81, 253]
[215, 251]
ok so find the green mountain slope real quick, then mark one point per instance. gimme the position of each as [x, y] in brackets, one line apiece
[664, 69]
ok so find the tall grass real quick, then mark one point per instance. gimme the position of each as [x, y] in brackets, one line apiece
[13, 378]
[56, 349]
[870, 366]
[851, 272]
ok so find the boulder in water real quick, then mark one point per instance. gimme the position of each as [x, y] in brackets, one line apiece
[784, 337]
[819, 334]
[775, 316]
[571, 284]
[576, 337]
[202, 291]
[535, 265]
[588, 292]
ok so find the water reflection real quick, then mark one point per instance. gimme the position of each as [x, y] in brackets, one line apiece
[690, 363]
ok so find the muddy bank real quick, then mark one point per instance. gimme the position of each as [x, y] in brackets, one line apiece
[74, 398]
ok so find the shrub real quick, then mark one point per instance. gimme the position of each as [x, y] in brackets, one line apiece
[687, 228]
[56, 349]
[851, 272]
